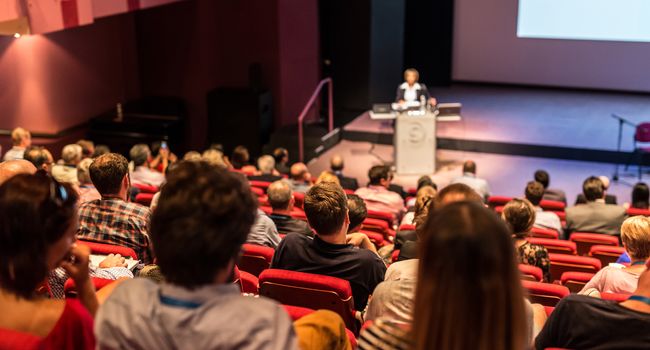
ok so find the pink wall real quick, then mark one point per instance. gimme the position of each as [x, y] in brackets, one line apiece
[55, 81]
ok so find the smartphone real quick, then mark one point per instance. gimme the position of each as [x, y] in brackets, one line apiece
[163, 144]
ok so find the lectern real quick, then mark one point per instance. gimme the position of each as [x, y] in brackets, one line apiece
[415, 144]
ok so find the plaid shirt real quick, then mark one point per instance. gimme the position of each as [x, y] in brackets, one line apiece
[114, 221]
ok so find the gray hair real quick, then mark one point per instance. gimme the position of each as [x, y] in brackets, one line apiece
[71, 154]
[279, 194]
[266, 164]
[139, 154]
[83, 172]
[214, 157]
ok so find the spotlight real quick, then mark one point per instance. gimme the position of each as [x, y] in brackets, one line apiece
[17, 35]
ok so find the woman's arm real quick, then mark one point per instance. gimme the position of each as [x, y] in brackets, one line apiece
[77, 268]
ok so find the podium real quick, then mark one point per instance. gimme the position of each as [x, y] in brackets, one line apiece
[415, 144]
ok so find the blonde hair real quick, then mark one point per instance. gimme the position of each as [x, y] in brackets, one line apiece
[18, 134]
[328, 176]
[414, 71]
[192, 156]
[214, 157]
[635, 234]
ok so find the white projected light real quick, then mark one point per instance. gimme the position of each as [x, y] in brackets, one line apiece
[611, 20]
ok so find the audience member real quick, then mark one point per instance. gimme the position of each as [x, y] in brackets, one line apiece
[609, 199]
[10, 168]
[640, 196]
[112, 219]
[87, 148]
[336, 165]
[66, 170]
[215, 158]
[377, 195]
[424, 194]
[87, 191]
[281, 156]
[357, 212]
[280, 197]
[300, 178]
[21, 139]
[37, 235]
[543, 219]
[595, 216]
[469, 178]
[201, 222]
[266, 170]
[328, 176]
[423, 181]
[162, 157]
[519, 214]
[615, 278]
[332, 252]
[583, 322]
[40, 157]
[142, 174]
[240, 160]
[550, 194]
[192, 156]
[263, 232]
[467, 268]
[100, 150]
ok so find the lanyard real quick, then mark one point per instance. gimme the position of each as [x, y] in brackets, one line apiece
[640, 298]
[169, 301]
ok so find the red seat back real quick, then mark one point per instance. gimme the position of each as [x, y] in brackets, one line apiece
[379, 226]
[70, 289]
[105, 249]
[614, 296]
[498, 201]
[546, 294]
[606, 253]
[144, 198]
[255, 259]
[642, 133]
[544, 233]
[257, 191]
[561, 263]
[575, 281]
[637, 211]
[299, 198]
[584, 241]
[375, 237]
[552, 205]
[381, 215]
[406, 227]
[531, 273]
[146, 188]
[555, 245]
[310, 291]
[263, 185]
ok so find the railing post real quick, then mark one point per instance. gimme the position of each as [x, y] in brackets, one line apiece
[330, 104]
[303, 114]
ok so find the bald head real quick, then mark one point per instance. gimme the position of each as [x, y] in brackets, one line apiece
[336, 163]
[469, 167]
[12, 168]
[299, 172]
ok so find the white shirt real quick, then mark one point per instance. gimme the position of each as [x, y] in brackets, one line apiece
[410, 92]
[14, 153]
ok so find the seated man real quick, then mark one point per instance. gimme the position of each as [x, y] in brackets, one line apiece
[281, 199]
[583, 322]
[66, 171]
[469, 178]
[21, 139]
[551, 194]
[377, 195]
[336, 165]
[11, 168]
[141, 174]
[201, 222]
[595, 216]
[609, 198]
[111, 219]
[357, 212]
[543, 219]
[300, 178]
[263, 232]
[266, 166]
[332, 252]
[40, 157]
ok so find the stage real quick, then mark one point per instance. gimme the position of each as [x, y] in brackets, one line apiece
[511, 132]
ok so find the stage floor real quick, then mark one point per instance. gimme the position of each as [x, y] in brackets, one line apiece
[553, 119]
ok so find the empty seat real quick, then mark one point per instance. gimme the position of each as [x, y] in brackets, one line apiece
[544, 233]
[531, 273]
[310, 291]
[299, 198]
[249, 283]
[552, 205]
[255, 259]
[105, 249]
[498, 201]
[606, 253]
[561, 263]
[555, 245]
[546, 294]
[585, 240]
[575, 281]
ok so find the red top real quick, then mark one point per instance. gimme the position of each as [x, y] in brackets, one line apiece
[73, 331]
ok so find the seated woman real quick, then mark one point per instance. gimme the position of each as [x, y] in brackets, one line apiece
[411, 90]
[37, 235]
[640, 196]
[615, 278]
[519, 214]
[467, 276]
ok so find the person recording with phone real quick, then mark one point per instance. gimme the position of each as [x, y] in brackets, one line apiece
[162, 157]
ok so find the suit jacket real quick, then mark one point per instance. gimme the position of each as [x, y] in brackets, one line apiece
[554, 195]
[609, 199]
[265, 178]
[422, 91]
[596, 217]
[348, 183]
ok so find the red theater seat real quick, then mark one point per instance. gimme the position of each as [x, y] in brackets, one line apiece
[380, 226]
[375, 237]
[381, 215]
[575, 281]
[263, 185]
[584, 241]
[406, 227]
[310, 291]
[498, 201]
[394, 255]
[637, 211]
[105, 249]
[606, 253]
[70, 289]
[546, 294]
[255, 258]
[249, 283]
[146, 188]
[299, 198]
[531, 273]
[257, 191]
[544, 233]
[552, 205]
[144, 198]
[555, 245]
[561, 263]
[614, 296]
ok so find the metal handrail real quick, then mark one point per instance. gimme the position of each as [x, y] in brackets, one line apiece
[310, 103]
